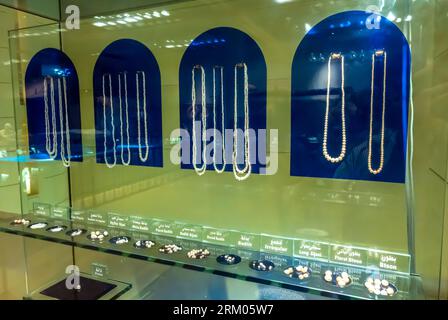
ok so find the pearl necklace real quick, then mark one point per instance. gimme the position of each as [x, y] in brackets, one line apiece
[380, 167]
[110, 166]
[221, 70]
[344, 137]
[243, 174]
[199, 170]
[143, 76]
[65, 160]
[52, 148]
[124, 74]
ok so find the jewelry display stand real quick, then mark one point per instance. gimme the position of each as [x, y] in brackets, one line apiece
[226, 76]
[54, 113]
[127, 96]
[277, 153]
[373, 131]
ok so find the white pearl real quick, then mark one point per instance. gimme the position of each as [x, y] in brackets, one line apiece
[390, 291]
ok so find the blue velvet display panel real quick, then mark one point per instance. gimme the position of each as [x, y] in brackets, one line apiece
[52, 90]
[130, 69]
[347, 33]
[219, 49]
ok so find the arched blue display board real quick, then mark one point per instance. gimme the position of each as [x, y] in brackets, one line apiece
[52, 101]
[352, 35]
[128, 111]
[223, 49]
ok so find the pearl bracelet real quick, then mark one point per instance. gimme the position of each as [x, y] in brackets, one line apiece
[75, 232]
[380, 287]
[262, 265]
[56, 229]
[98, 235]
[23, 222]
[198, 254]
[38, 225]
[120, 240]
[300, 272]
[170, 248]
[228, 259]
[339, 279]
[144, 244]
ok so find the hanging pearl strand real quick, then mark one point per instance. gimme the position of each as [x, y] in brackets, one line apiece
[128, 148]
[65, 160]
[199, 170]
[52, 148]
[221, 70]
[327, 112]
[243, 174]
[109, 77]
[143, 158]
[381, 165]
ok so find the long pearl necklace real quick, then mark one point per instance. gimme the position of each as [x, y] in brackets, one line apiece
[143, 158]
[221, 70]
[327, 112]
[241, 174]
[109, 77]
[124, 74]
[199, 170]
[52, 148]
[65, 160]
[380, 167]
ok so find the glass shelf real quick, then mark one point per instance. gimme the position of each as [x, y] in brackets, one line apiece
[409, 287]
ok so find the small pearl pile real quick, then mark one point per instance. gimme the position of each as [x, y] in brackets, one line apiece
[299, 272]
[228, 259]
[98, 235]
[23, 222]
[56, 229]
[144, 244]
[341, 280]
[198, 254]
[262, 265]
[75, 232]
[39, 225]
[120, 240]
[170, 248]
[380, 287]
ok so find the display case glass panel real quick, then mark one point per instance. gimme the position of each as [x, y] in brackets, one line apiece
[333, 157]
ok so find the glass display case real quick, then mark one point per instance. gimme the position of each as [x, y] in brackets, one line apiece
[228, 149]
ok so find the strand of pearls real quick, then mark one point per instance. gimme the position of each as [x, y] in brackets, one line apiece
[143, 158]
[109, 77]
[52, 148]
[124, 74]
[221, 70]
[243, 174]
[65, 160]
[327, 112]
[199, 170]
[380, 167]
